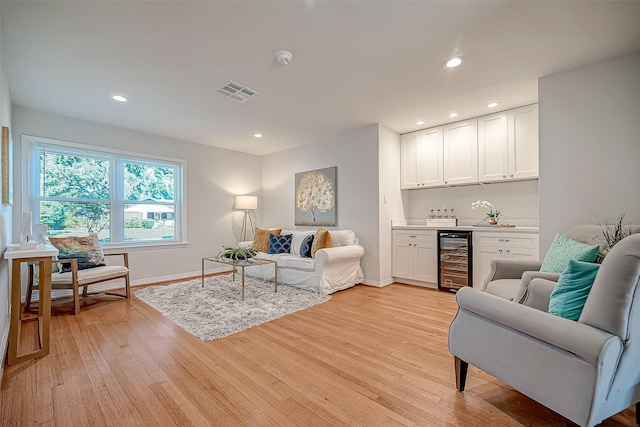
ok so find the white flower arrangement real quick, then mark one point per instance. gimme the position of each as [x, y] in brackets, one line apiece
[491, 210]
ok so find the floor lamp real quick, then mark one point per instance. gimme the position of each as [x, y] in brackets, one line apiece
[246, 203]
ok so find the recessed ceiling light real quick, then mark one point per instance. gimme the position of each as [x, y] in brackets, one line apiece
[419, 122]
[454, 62]
[492, 104]
[119, 98]
[452, 115]
[258, 135]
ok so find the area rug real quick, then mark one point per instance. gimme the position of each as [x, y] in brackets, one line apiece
[217, 310]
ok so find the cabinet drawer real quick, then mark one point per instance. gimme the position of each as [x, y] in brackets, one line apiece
[409, 236]
[513, 240]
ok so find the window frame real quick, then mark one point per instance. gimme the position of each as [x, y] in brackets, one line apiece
[117, 158]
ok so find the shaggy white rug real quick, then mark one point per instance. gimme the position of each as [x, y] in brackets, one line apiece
[217, 310]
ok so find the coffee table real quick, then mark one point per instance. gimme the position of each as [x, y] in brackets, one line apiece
[242, 264]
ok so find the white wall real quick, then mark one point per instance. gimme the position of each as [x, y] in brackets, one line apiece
[5, 223]
[213, 177]
[356, 155]
[518, 200]
[389, 186]
[589, 145]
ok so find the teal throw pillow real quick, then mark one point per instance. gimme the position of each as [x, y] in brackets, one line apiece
[280, 244]
[571, 292]
[562, 250]
[305, 246]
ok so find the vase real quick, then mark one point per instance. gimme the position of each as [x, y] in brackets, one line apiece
[493, 220]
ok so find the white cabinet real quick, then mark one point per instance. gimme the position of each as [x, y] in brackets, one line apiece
[421, 159]
[460, 152]
[494, 244]
[415, 255]
[508, 145]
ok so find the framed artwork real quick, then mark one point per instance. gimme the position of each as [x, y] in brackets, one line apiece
[7, 167]
[316, 196]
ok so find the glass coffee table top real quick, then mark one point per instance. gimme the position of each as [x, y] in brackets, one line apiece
[242, 264]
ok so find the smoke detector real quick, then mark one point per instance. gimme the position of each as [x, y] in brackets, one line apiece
[283, 56]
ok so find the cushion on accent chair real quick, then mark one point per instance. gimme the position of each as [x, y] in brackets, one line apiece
[563, 250]
[85, 249]
[261, 239]
[279, 244]
[571, 292]
[321, 240]
[305, 246]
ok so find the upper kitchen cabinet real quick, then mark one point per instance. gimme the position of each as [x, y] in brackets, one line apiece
[508, 145]
[421, 157]
[461, 152]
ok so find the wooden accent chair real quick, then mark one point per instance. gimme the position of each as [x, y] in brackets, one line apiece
[76, 279]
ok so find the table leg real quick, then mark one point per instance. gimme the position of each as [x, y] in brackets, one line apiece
[242, 283]
[275, 275]
[203, 272]
[44, 293]
[14, 325]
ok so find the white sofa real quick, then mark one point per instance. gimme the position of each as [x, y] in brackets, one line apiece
[333, 269]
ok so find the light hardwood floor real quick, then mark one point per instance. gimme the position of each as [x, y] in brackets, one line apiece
[369, 357]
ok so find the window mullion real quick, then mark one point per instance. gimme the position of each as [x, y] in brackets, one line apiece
[117, 203]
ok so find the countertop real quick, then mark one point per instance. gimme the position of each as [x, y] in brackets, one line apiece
[493, 228]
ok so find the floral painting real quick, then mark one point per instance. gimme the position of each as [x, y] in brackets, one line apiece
[316, 197]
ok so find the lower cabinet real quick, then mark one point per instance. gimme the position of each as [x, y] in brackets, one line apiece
[415, 255]
[492, 244]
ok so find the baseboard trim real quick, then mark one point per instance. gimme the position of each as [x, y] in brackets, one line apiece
[377, 283]
[4, 344]
[416, 283]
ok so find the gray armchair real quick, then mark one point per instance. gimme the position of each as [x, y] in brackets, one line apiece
[585, 370]
[510, 278]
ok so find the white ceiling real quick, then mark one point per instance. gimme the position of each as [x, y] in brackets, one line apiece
[354, 63]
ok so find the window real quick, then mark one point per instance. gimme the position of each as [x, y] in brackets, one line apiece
[125, 199]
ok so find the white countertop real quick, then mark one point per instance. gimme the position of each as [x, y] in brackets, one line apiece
[14, 251]
[493, 228]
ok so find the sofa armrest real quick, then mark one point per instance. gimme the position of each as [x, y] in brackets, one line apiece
[539, 294]
[349, 254]
[582, 340]
[509, 269]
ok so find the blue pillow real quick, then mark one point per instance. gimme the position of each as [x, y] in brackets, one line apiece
[280, 244]
[305, 246]
[564, 249]
[571, 292]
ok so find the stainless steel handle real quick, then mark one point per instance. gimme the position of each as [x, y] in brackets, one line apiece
[504, 176]
[413, 236]
[508, 251]
[500, 240]
[507, 240]
[511, 175]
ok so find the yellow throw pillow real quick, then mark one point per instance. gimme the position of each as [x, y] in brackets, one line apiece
[261, 239]
[320, 241]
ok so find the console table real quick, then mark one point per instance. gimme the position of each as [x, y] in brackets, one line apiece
[43, 255]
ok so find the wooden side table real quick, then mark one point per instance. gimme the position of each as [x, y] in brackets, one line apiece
[43, 255]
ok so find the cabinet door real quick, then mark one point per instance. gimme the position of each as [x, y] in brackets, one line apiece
[409, 144]
[523, 142]
[492, 148]
[430, 158]
[403, 259]
[425, 267]
[482, 256]
[461, 152]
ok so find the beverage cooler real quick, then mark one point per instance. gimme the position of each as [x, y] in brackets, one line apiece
[454, 260]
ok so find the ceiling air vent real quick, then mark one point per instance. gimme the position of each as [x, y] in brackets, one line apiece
[235, 90]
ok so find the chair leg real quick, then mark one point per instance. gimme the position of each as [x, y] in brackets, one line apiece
[461, 368]
[127, 286]
[76, 300]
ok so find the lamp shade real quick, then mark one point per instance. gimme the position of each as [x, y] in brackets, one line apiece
[246, 202]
